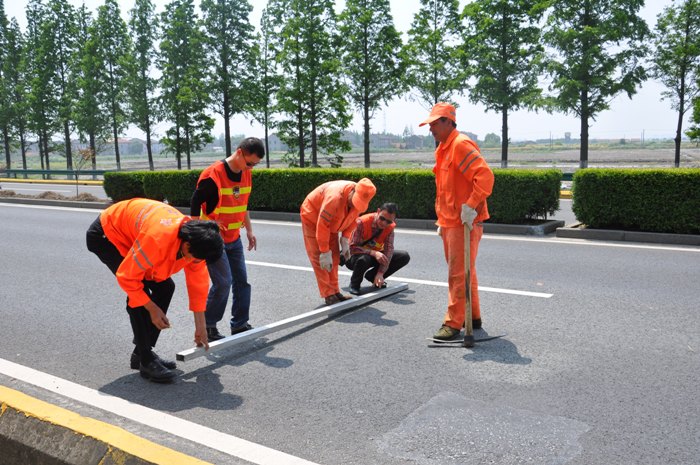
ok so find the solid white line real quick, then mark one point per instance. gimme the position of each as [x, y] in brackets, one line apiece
[418, 232]
[407, 280]
[543, 240]
[170, 424]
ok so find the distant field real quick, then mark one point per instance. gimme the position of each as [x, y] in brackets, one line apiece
[519, 156]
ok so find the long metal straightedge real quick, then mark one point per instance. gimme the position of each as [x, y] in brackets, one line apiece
[260, 331]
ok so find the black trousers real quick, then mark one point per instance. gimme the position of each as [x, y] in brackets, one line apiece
[363, 265]
[145, 332]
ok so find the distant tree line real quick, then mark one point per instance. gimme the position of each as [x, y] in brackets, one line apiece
[305, 69]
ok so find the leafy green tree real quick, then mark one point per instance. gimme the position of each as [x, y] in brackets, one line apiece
[59, 34]
[5, 108]
[142, 85]
[114, 48]
[229, 40]
[599, 45]
[182, 62]
[267, 79]
[694, 131]
[503, 53]
[91, 111]
[15, 84]
[434, 68]
[312, 96]
[676, 59]
[42, 98]
[372, 60]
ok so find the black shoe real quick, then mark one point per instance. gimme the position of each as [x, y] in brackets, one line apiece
[156, 372]
[136, 361]
[240, 329]
[213, 334]
[354, 290]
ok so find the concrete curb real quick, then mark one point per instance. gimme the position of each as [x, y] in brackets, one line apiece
[34, 431]
[579, 231]
[82, 182]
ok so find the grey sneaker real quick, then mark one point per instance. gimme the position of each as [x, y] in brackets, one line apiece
[446, 333]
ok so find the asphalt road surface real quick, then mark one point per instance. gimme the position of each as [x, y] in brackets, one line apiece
[600, 364]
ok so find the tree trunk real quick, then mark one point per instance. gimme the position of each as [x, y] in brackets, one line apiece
[116, 142]
[314, 135]
[93, 152]
[677, 139]
[178, 147]
[267, 140]
[584, 130]
[23, 146]
[504, 136]
[149, 150]
[366, 130]
[69, 150]
[6, 138]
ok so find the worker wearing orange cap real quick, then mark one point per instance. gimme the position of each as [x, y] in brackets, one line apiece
[330, 209]
[463, 181]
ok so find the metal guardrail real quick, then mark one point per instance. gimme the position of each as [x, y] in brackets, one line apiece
[16, 173]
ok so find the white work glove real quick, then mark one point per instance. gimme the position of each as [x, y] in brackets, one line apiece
[344, 247]
[326, 260]
[439, 231]
[468, 215]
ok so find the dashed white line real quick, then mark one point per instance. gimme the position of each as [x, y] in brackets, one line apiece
[408, 280]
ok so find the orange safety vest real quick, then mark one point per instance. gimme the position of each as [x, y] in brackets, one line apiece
[368, 242]
[146, 232]
[461, 176]
[231, 209]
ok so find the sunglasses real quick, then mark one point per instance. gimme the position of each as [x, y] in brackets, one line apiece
[386, 220]
[250, 164]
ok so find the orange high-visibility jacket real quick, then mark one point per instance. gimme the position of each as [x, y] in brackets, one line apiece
[326, 209]
[378, 242]
[145, 233]
[461, 176]
[233, 200]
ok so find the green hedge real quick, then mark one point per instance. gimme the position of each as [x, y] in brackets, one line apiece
[522, 195]
[518, 197]
[658, 200]
[122, 185]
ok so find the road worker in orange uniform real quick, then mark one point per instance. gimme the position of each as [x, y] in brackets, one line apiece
[330, 209]
[144, 242]
[463, 181]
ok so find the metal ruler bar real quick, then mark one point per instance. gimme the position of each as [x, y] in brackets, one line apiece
[260, 331]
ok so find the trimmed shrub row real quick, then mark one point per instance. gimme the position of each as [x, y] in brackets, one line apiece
[519, 196]
[652, 200]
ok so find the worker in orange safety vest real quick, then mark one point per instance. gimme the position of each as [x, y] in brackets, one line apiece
[463, 181]
[143, 242]
[330, 209]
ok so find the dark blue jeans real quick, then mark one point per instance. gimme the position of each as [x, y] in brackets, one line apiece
[228, 273]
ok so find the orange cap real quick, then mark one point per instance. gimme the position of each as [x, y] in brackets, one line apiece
[364, 192]
[439, 110]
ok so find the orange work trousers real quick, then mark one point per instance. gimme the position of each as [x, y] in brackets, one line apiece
[327, 280]
[453, 242]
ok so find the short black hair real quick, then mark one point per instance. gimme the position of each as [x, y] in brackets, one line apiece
[204, 238]
[390, 207]
[253, 146]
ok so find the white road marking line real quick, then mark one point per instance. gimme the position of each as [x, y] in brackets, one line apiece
[407, 280]
[226, 443]
[543, 240]
[419, 232]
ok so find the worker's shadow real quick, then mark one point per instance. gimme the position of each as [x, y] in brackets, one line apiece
[367, 314]
[193, 390]
[499, 350]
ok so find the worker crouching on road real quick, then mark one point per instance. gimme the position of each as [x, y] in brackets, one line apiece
[372, 253]
[463, 181]
[330, 209]
[144, 242]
